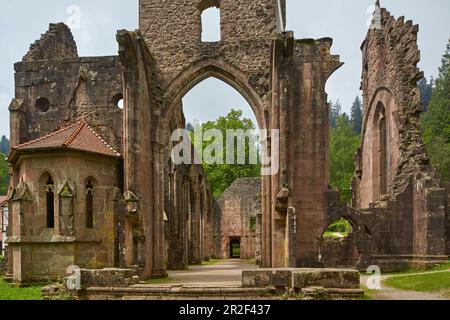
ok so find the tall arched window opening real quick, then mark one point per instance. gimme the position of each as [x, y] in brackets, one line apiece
[89, 204]
[383, 154]
[50, 202]
[211, 25]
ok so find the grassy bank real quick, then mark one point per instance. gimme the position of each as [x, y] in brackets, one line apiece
[9, 293]
[428, 282]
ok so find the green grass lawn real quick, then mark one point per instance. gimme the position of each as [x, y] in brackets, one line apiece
[438, 267]
[8, 293]
[430, 282]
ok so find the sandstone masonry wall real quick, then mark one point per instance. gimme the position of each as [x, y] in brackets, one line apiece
[246, 30]
[56, 43]
[235, 217]
[62, 89]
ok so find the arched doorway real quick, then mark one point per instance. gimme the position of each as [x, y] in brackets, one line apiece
[235, 248]
[196, 217]
[338, 244]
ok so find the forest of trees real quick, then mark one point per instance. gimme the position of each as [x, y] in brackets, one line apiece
[436, 121]
[345, 132]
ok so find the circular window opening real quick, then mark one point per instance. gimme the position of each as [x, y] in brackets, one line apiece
[118, 100]
[42, 104]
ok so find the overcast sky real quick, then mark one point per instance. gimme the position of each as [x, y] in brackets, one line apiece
[23, 21]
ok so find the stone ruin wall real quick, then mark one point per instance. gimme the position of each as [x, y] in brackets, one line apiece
[75, 88]
[234, 212]
[247, 28]
[56, 43]
[406, 220]
[389, 78]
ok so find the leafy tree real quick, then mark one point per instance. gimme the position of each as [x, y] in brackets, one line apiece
[344, 143]
[436, 122]
[4, 145]
[426, 91]
[335, 112]
[4, 177]
[221, 176]
[356, 115]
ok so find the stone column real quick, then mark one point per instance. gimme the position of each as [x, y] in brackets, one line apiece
[195, 224]
[17, 121]
[301, 68]
[291, 231]
[131, 222]
[21, 214]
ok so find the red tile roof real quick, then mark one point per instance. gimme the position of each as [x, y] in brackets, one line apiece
[79, 137]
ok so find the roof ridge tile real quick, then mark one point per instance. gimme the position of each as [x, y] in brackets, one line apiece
[81, 124]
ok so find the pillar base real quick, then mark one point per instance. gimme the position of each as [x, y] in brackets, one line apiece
[195, 262]
[159, 274]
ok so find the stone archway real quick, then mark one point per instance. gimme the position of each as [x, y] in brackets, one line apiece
[357, 248]
[282, 78]
[381, 128]
[235, 248]
[172, 103]
[221, 70]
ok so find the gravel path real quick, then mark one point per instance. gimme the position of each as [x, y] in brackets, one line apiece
[228, 273]
[225, 273]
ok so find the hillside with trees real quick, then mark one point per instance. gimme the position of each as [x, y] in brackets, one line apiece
[345, 139]
[436, 121]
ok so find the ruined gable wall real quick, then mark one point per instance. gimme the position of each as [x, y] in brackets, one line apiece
[75, 88]
[415, 200]
[56, 43]
[172, 30]
[237, 206]
[390, 75]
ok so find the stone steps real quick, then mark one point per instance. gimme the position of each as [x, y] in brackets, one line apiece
[177, 293]
[214, 293]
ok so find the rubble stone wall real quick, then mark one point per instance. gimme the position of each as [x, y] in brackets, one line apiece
[235, 217]
[394, 179]
[56, 43]
[246, 30]
[51, 94]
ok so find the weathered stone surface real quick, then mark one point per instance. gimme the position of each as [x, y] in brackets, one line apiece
[302, 278]
[48, 252]
[107, 277]
[57, 43]
[326, 278]
[166, 219]
[235, 218]
[402, 206]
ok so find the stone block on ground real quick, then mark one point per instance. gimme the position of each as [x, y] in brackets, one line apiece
[107, 277]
